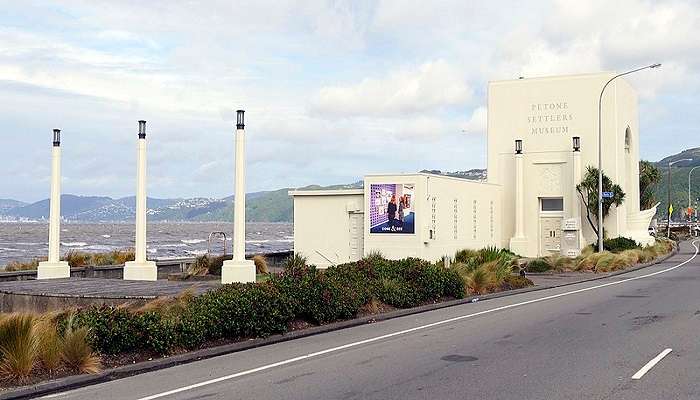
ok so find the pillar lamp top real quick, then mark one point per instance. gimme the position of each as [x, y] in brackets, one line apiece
[142, 129]
[577, 143]
[56, 137]
[239, 119]
[518, 146]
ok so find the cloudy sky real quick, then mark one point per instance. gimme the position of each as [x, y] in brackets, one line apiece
[332, 89]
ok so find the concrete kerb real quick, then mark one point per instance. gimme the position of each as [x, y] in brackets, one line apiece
[77, 381]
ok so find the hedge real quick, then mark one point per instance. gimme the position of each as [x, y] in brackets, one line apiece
[238, 311]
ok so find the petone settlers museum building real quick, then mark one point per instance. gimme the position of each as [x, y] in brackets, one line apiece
[529, 203]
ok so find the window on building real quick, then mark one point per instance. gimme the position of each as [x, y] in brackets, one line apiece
[556, 204]
[628, 139]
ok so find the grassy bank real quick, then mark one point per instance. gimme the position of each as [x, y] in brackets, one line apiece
[299, 297]
[620, 253]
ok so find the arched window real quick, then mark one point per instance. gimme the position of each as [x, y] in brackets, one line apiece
[628, 139]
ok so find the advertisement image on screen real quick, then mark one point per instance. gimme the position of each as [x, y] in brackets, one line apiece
[391, 208]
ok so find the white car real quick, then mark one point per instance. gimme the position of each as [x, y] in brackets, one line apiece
[652, 231]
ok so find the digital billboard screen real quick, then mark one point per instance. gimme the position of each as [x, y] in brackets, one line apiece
[392, 208]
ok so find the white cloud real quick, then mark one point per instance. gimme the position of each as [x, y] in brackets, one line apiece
[477, 122]
[422, 89]
[333, 89]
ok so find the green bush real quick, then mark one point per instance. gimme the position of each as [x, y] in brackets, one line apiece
[538, 265]
[235, 311]
[158, 333]
[619, 244]
[113, 330]
[397, 293]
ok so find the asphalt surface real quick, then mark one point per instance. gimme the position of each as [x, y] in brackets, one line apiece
[583, 341]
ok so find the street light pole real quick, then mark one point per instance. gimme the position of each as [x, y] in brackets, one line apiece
[690, 229]
[668, 209]
[600, 152]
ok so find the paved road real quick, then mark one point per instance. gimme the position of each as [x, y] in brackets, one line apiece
[583, 341]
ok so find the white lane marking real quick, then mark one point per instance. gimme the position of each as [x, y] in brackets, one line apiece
[650, 364]
[405, 331]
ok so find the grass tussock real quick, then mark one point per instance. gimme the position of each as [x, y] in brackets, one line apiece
[261, 266]
[19, 346]
[76, 258]
[487, 270]
[77, 353]
[50, 342]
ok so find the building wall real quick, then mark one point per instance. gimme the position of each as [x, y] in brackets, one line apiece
[322, 225]
[546, 113]
[450, 214]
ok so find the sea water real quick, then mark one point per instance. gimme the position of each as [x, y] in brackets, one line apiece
[22, 241]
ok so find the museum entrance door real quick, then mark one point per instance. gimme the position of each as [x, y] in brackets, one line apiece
[551, 215]
[357, 235]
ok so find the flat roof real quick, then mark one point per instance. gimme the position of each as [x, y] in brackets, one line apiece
[454, 178]
[554, 77]
[327, 192]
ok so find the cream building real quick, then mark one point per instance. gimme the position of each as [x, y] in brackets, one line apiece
[529, 203]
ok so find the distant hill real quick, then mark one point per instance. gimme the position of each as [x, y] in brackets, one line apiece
[265, 206]
[472, 174]
[679, 183]
[9, 204]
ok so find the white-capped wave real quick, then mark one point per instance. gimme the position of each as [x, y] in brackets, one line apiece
[4, 249]
[196, 252]
[192, 241]
[173, 245]
[258, 241]
[99, 247]
[74, 244]
[106, 236]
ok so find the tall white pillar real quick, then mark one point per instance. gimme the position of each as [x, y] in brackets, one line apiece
[518, 243]
[54, 267]
[239, 269]
[140, 269]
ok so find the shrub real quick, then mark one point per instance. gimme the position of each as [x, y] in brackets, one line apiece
[619, 244]
[112, 330]
[234, 311]
[19, 346]
[538, 265]
[157, 331]
[76, 351]
[397, 293]
[295, 264]
[260, 264]
[512, 282]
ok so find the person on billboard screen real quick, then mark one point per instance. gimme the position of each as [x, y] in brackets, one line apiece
[391, 211]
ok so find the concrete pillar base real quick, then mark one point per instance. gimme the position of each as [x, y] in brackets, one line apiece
[53, 270]
[238, 271]
[134, 271]
[519, 246]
